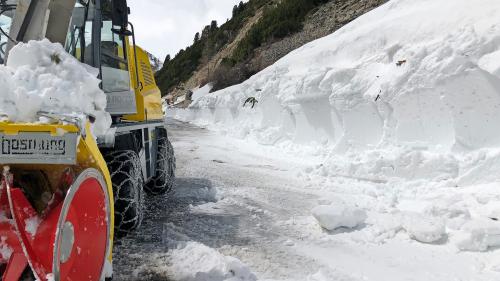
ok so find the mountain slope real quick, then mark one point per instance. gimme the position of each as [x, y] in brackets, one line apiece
[255, 38]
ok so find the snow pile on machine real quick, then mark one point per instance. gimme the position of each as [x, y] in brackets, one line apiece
[41, 77]
[405, 99]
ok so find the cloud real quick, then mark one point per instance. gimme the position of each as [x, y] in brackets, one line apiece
[165, 26]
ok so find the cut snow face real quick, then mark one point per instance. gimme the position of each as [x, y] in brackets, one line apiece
[391, 94]
[41, 76]
[201, 92]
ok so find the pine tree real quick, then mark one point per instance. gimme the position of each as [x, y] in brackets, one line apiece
[213, 25]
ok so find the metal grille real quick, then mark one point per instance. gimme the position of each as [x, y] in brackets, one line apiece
[147, 75]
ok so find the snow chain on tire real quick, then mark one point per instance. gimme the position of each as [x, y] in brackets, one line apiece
[125, 170]
[163, 180]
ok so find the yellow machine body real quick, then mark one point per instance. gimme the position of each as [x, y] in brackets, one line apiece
[147, 93]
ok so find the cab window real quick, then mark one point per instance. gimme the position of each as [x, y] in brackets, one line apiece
[79, 39]
[114, 65]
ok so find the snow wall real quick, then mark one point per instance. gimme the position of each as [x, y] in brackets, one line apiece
[410, 90]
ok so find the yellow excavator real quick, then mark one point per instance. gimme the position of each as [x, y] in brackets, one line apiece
[65, 194]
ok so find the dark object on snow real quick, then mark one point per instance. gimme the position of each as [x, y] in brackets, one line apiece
[401, 62]
[55, 58]
[251, 100]
[377, 98]
[189, 95]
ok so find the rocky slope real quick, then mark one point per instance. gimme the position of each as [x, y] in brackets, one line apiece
[326, 20]
[321, 21]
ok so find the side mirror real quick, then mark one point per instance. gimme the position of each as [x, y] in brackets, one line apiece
[120, 12]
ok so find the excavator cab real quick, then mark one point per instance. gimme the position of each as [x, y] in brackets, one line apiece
[64, 193]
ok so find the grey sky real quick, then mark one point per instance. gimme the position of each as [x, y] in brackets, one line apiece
[166, 26]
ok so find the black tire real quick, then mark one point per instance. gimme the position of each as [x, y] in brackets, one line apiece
[163, 180]
[124, 167]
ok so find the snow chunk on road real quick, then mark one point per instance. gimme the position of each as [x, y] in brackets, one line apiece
[424, 229]
[478, 235]
[196, 262]
[41, 76]
[336, 216]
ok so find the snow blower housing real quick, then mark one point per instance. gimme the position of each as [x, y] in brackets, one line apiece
[65, 193]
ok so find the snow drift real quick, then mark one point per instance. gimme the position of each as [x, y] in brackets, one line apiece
[406, 98]
[41, 76]
[406, 91]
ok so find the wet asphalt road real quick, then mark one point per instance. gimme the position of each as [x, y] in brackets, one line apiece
[210, 167]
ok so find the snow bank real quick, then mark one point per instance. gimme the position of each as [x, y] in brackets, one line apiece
[41, 76]
[405, 99]
[390, 94]
[336, 216]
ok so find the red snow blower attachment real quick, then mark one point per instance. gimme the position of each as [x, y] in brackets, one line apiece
[55, 211]
[70, 236]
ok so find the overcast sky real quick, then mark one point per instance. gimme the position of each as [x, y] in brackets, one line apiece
[165, 26]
